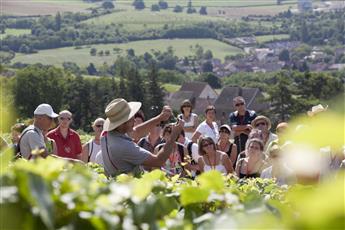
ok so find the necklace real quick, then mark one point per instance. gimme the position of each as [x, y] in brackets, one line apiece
[213, 166]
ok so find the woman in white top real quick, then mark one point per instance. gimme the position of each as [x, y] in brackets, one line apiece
[211, 158]
[209, 127]
[190, 119]
[93, 146]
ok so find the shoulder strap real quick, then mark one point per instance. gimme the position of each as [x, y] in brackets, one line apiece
[180, 149]
[106, 146]
[19, 154]
[90, 150]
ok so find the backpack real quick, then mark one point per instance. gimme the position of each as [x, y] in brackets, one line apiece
[17, 152]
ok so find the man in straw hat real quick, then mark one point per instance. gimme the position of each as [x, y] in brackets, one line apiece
[120, 154]
[263, 123]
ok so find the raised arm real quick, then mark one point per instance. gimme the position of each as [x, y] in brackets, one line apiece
[143, 129]
[163, 154]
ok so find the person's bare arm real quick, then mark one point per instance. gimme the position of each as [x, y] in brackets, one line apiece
[143, 129]
[201, 164]
[196, 136]
[163, 154]
[227, 163]
[238, 129]
[85, 153]
[233, 153]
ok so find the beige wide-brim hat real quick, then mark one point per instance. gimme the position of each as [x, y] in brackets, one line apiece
[317, 109]
[259, 118]
[118, 111]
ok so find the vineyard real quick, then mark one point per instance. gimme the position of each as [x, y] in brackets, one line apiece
[55, 194]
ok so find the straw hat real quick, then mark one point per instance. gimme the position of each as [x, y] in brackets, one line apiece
[259, 118]
[317, 109]
[118, 112]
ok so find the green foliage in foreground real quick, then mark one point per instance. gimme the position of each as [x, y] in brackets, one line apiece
[54, 194]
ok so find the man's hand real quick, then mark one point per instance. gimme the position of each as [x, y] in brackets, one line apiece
[165, 114]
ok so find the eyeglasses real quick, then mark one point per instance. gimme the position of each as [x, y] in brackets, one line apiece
[224, 131]
[206, 144]
[238, 104]
[65, 118]
[261, 123]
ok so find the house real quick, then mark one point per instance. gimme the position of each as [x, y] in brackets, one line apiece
[305, 5]
[200, 94]
[337, 66]
[252, 96]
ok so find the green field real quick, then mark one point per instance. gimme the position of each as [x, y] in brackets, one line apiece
[15, 32]
[171, 88]
[145, 19]
[213, 3]
[82, 56]
[268, 38]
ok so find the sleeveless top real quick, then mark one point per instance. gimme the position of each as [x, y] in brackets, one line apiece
[189, 123]
[173, 165]
[246, 175]
[219, 167]
[93, 150]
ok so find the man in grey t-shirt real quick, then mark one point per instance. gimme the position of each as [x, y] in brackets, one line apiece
[32, 137]
[120, 154]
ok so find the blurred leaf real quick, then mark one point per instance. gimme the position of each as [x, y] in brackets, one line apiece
[190, 195]
[212, 180]
[5, 159]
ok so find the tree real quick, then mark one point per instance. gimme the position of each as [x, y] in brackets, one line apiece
[212, 80]
[58, 21]
[155, 7]
[281, 97]
[154, 91]
[208, 55]
[178, 9]
[93, 51]
[108, 5]
[139, 4]
[163, 4]
[203, 10]
[284, 55]
[190, 9]
[91, 69]
[35, 85]
[130, 52]
[207, 67]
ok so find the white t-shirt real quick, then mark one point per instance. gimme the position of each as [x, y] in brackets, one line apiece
[207, 131]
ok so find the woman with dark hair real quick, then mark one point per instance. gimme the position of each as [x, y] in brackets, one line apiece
[190, 118]
[211, 158]
[252, 165]
[225, 145]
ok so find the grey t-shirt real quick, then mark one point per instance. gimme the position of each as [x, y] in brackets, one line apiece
[33, 139]
[122, 154]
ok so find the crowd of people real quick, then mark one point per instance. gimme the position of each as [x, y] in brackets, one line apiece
[125, 142]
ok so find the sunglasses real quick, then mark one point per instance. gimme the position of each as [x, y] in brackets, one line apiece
[65, 118]
[206, 144]
[261, 123]
[224, 131]
[99, 126]
[238, 104]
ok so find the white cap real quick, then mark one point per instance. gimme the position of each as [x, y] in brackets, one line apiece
[45, 109]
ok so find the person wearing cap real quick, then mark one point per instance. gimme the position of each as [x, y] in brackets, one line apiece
[225, 145]
[67, 140]
[264, 124]
[93, 146]
[190, 119]
[120, 154]
[32, 138]
[240, 122]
